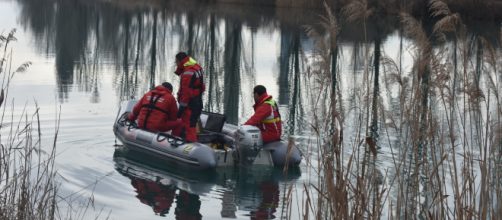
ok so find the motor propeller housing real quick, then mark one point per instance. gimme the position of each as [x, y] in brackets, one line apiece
[248, 143]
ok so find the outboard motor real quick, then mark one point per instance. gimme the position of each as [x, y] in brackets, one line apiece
[248, 143]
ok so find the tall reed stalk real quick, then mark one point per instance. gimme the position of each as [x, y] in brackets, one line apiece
[29, 189]
[442, 139]
[27, 172]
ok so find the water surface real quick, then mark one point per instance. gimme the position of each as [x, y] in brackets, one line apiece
[87, 57]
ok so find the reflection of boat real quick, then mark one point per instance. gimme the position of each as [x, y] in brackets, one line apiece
[134, 166]
[157, 189]
[220, 144]
[253, 189]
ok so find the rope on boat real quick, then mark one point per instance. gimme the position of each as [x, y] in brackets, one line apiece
[173, 140]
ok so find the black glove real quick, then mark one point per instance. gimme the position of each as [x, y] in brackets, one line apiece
[180, 111]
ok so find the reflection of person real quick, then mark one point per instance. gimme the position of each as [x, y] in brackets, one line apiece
[156, 110]
[266, 116]
[187, 206]
[269, 202]
[190, 93]
[159, 197]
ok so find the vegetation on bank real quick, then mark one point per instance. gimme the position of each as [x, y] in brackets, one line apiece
[27, 173]
[439, 124]
[29, 186]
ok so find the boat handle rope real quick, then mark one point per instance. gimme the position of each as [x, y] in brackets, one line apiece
[124, 122]
[173, 140]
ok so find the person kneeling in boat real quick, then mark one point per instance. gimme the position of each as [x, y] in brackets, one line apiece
[266, 116]
[156, 110]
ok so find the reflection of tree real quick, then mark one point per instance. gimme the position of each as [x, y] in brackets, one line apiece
[95, 74]
[71, 39]
[284, 67]
[153, 51]
[295, 106]
[125, 58]
[129, 79]
[125, 88]
[39, 16]
[190, 38]
[376, 91]
[87, 71]
[140, 45]
[138, 42]
[126, 37]
[232, 71]
[214, 96]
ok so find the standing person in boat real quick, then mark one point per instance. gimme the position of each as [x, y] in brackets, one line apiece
[266, 116]
[189, 94]
[156, 110]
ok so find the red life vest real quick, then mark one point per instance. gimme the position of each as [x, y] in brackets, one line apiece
[156, 108]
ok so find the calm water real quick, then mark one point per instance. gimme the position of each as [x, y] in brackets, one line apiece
[88, 57]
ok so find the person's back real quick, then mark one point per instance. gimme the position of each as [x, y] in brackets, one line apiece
[157, 109]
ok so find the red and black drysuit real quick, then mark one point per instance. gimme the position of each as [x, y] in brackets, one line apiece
[156, 111]
[190, 95]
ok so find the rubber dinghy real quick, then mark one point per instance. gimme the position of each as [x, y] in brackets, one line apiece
[220, 144]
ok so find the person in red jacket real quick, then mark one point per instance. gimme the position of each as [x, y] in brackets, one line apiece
[189, 94]
[156, 110]
[266, 116]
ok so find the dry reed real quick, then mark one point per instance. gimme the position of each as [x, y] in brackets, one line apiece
[28, 176]
[444, 136]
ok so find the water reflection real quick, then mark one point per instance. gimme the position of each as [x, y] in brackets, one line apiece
[284, 60]
[141, 41]
[254, 192]
[159, 197]
[232, 68]
[134, 46]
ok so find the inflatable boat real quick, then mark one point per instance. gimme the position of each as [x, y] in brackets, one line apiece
[220, 144]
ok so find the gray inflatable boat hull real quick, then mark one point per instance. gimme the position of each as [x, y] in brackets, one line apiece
[193, 155]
